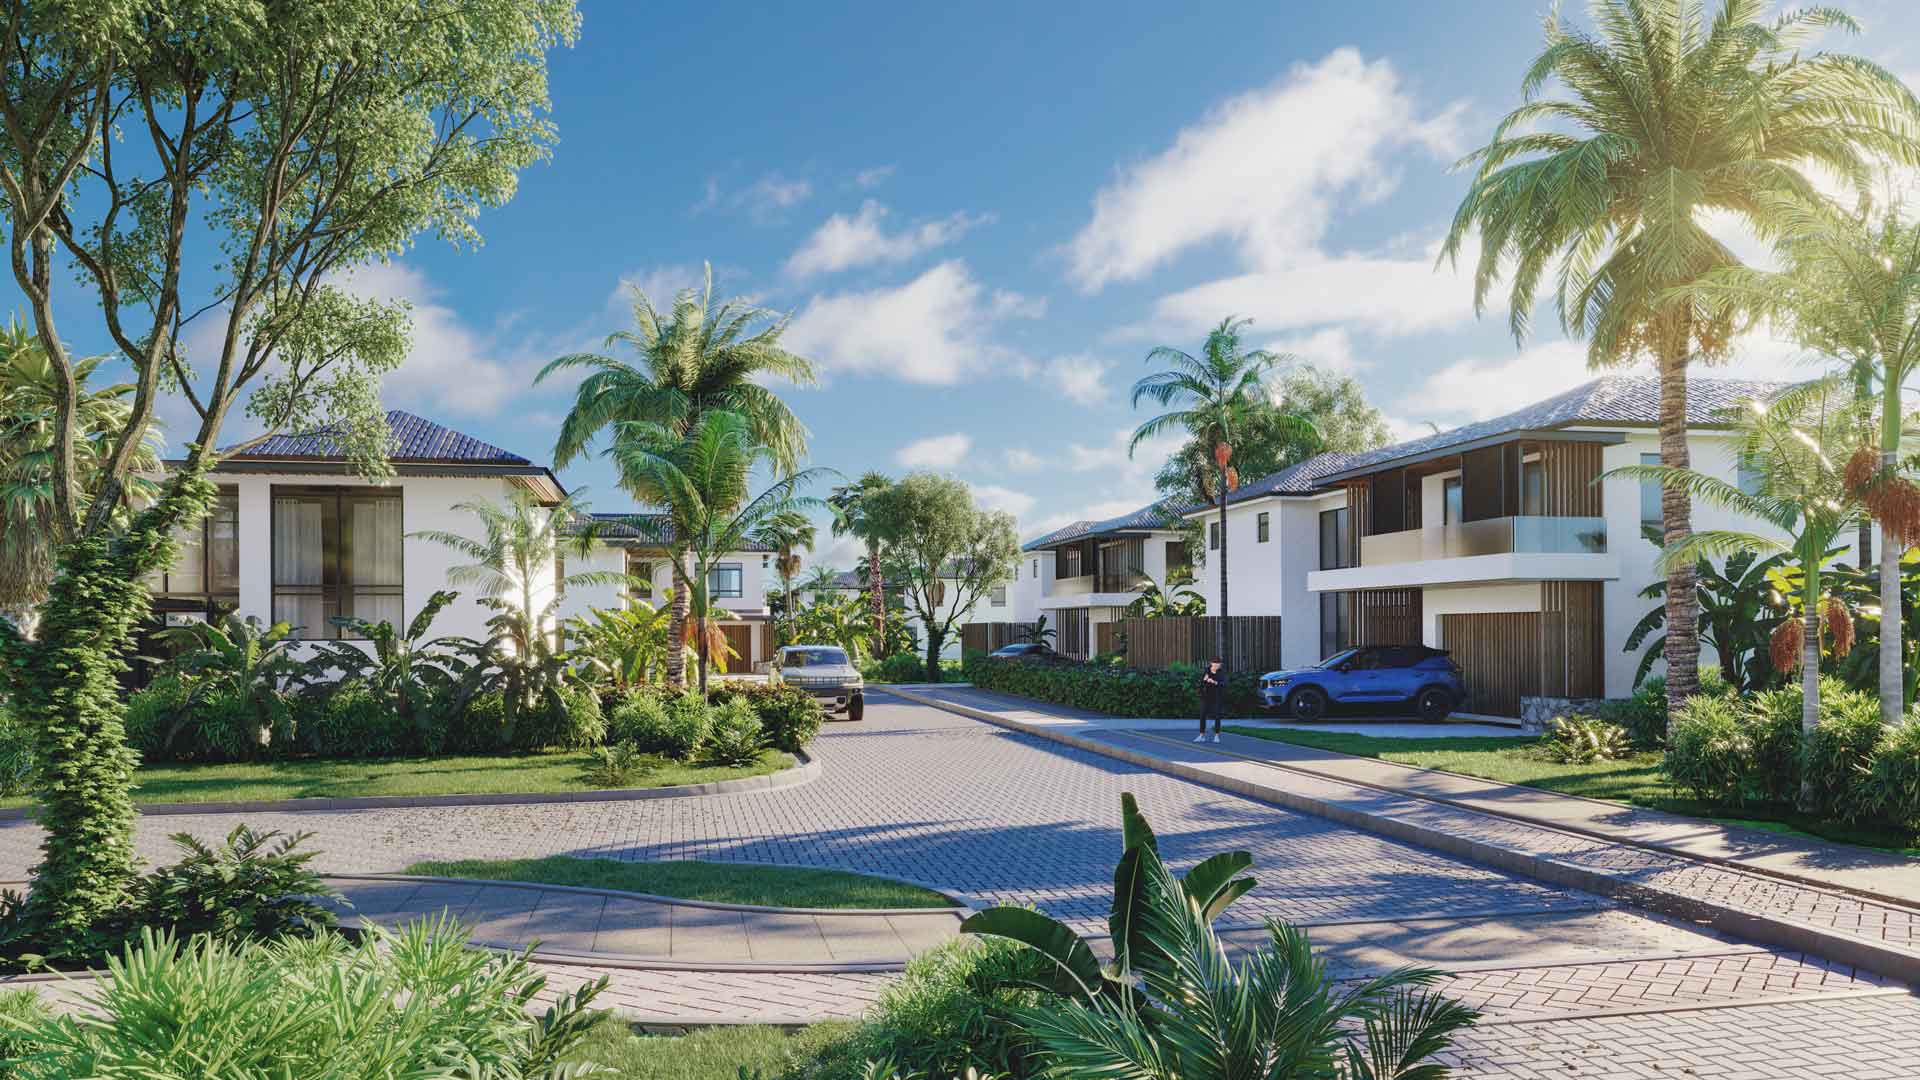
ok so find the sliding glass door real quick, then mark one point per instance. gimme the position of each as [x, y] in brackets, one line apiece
[336, 554]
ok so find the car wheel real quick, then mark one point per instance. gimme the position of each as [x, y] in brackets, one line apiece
[857, 708]
[1434, 703]
[1308, 703]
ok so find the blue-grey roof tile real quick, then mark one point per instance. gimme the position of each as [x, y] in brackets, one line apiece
[412, 439]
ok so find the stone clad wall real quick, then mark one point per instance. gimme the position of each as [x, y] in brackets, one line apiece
[1535, 712]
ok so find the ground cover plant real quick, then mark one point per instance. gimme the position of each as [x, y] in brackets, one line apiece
[720, 883]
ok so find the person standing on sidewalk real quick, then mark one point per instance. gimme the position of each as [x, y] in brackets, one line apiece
[1213, 694]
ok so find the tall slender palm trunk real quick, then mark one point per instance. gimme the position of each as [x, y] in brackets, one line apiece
[876, 600]
[1893, 687]
[1676, 516]
[1809, 677]
[677, 623]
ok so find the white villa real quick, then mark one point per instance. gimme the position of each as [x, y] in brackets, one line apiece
[1086, 573]
[1496, 541]
[295, 536]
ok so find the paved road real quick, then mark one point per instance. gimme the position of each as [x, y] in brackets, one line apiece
[1573, 984]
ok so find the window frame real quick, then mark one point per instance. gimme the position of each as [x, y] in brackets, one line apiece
[1452, 500]
[1651, 489]
[739, 570]
[207, 602]
[1213, 536]
[1262, 527]
[997, 596]
[336, 554]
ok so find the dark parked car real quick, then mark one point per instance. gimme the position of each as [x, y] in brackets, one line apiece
[1374, 675]
[1024, 648]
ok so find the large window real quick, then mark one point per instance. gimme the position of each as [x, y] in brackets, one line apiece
[1260, 527]
[204, 580]
[726, 580]
[1335, 541]
[336, 554]
[1533, 488]
[640, 577]
[1450, 490]
[1335, 632]
[1650, 494]
[1213, 536]
[998, 596]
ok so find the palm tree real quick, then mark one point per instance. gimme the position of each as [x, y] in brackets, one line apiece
[704, 355]
[1669, 117]
[787, 534]
[1164, 601]
[29, 394]
[823, 579]
[1215, 393]
[850, 519]
[701, 479]
[520, 544]
[1850, 289]
[1793, 444]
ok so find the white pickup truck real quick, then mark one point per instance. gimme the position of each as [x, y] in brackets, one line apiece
[825, 672]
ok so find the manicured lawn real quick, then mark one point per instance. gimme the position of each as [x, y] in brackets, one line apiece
[717, 1053]
[719, 883]
[473, 775]
[1634, 780]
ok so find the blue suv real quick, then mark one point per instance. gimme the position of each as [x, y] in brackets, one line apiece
[1373, 675]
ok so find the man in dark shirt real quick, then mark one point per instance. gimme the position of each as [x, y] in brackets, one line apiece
[1213, 692]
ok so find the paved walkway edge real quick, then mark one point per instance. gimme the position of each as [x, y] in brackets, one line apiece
[1879, 957]
[961, 910]
[805, 770]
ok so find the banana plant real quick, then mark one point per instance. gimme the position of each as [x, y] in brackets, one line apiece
[417, 677]
[1138, 880]
[1738, 607]
[1164, 601]
[632, 643]
[245, 658]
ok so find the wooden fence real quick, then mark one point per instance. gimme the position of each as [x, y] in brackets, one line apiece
[1253, 641]
[988, 636]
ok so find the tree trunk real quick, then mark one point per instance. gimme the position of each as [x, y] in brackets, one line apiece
[677, 624]
[1863, 544]
[1893, 703]
[1809, 681]
[935, 639]
[65, 689]
[701, 636]
[876, 601]
[1676, 515]
[1220, 625]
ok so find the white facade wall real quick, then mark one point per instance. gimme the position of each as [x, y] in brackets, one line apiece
[426, 503]
[1271, 578]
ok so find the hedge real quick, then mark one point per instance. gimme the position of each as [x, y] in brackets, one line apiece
[1115, 691]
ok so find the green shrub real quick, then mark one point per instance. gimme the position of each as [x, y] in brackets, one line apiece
[899, 668]
[1773, 726]
[1836, 754]
[1114, 691]
[1643, 715]
[734, 736]
[150, 716]
[349, 721]
[951, 1011]
[19, 1008]
[1891, 787]
[222, 725]
[674, 727]
[255, 887]
[1709, 750]
[480, 728]
[417, 1003]
[17, 763]
[576, 724]
[1579, 740]
[619, 765]
[789, 716]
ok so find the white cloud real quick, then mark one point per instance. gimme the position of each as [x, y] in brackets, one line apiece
[763, 199]
[934, 452]
[661, 283]
[1261, 171]
[995, 497]
[930, 330]
[1021, 459]
[1079, 377]
[845, 241]
[451, 369]
[868, 179]
[1329, 349]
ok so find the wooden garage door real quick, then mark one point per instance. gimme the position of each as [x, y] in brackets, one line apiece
[740, 640]
[1498, 654]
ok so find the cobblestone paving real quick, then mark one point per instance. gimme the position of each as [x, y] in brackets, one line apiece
[1873, 1038]
[697, 997]
[1561, 989]
[931, 797]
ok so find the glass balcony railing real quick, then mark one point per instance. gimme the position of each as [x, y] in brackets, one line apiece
[1494, 536]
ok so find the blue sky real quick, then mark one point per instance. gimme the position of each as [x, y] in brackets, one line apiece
[982, 216]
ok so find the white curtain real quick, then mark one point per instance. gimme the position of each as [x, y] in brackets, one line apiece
[375, 558]
[298, 550]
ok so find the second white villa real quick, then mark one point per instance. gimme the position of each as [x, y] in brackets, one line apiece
[1497, 541]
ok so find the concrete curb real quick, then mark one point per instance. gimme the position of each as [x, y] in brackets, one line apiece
[805, 770]
[1881, 958]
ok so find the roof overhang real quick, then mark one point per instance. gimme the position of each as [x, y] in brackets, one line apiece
[534, 478]
[1456, 449]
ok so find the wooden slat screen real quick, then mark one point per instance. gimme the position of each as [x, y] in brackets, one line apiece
[1556, 652]
[1389, 502]
[1482, 488]
[1074, 636]
[988, 636]
[1386, 617]
[1574, 659]
[1571, 468]
[1253, 641]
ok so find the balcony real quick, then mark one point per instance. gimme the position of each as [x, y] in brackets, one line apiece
[1496, 549]
[1494, 536]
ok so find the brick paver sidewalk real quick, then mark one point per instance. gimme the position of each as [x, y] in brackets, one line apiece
[632, 930]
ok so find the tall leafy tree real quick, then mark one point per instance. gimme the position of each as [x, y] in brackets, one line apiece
[220, 162]
[849, 503]
[1215, 398]
[1667, 117]
[703, 355]
[701, 478]
[1849, 288]
[945, 551]
[1798, 445]
[30, 389]
[787, 534]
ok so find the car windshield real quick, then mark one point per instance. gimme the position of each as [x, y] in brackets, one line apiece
[813, 657]
[1337, 658]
